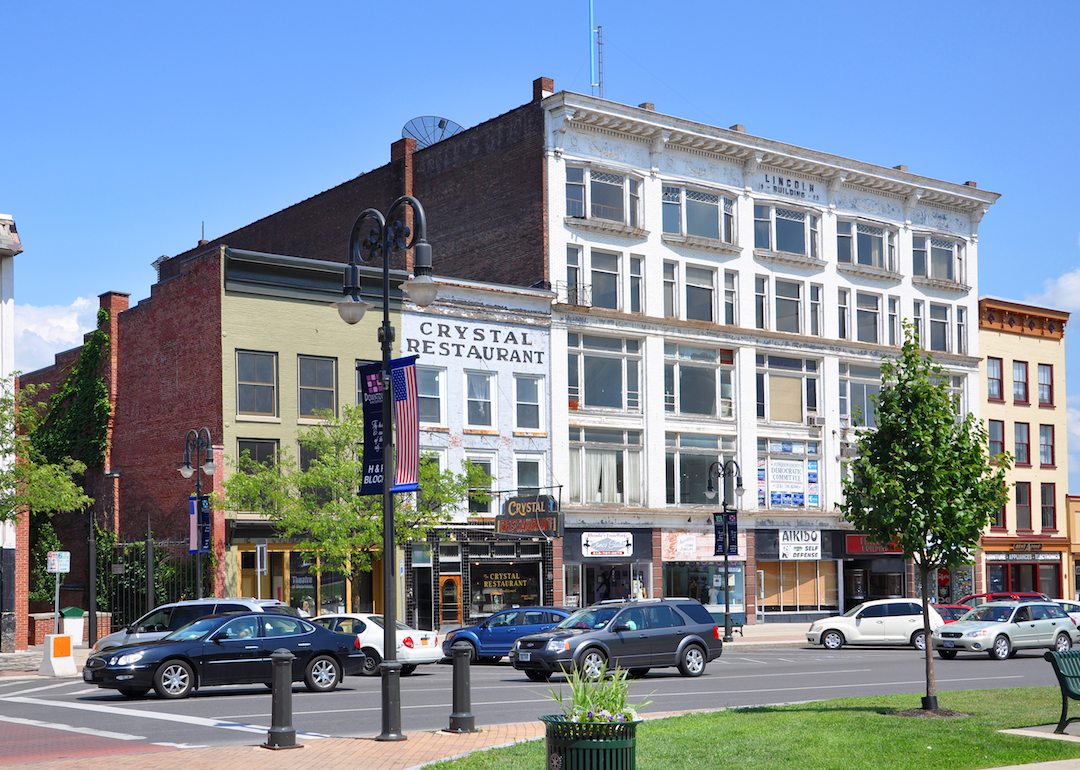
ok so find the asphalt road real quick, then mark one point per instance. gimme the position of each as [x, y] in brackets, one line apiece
[241, 715]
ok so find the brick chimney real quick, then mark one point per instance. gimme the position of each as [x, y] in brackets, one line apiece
[543, 88]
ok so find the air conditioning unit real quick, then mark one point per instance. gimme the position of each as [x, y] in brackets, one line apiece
[814, 421]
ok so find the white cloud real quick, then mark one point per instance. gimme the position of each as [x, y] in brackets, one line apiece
[1061, 293]
[42, 332]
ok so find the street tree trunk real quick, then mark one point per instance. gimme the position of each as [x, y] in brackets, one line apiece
[930, 701]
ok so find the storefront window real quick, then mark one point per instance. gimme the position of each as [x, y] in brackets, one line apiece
[496, 586]
[789, 474]
[302, 584]
[704, 581]
[332, 588]
[794, 586]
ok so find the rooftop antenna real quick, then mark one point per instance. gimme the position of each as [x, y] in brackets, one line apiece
[596, 55]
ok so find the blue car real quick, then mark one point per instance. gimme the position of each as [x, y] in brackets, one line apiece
[493, 638]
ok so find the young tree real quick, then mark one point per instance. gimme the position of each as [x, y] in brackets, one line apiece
[923, 481]
[315, 499]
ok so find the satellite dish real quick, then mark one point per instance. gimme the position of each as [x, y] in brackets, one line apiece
[428, 129]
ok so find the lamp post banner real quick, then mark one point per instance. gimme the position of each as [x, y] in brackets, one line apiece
[371, 389]
[406, 423]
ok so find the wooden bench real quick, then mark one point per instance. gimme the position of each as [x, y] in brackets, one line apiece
[738, 620]
[1067, 668]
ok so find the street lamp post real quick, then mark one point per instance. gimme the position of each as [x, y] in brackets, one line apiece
[716, 471]
[199, 443]
[387, 235]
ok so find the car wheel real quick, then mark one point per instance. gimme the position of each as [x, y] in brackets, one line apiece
[407, 669]
[593, 663]
[174, 679]
[322, 674]
[1063, 643]
[947, 654]
[134, 692]
[833, 640]
[538, 676]
[474, 656]
[918, 640]
[637, 673]
[372, 660]
[692, 661]
[1002, 648]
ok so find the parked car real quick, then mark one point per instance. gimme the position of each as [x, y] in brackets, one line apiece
[234, 648]
[634, 634]
[414, 647]
[170, 617]
[493, 638]
[951, 613]
[1002, 628]
[881, 621]
[974, 600]
[1072, 609]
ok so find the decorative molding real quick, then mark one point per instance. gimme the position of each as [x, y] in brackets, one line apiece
[953, 287]
[1023, 320]
[659, 143]
[749, 169]
[910, 202]
[850, 200]
[790, 258]
[698, 242]
[606, 226]
[869, 271]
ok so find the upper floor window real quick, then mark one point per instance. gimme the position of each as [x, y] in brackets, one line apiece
[479, 405]
[731, 298]
[689, 462]
[256, 383]
[1046, 445]
[761, 301]
[788, 304]
[894, 321]
[701, 214]
[605, 466]
[843, 314]
[700, 294]
[603, 195]
[429, 387]
[480, 497]
[605, 280]
[603, 371]
[1020, 382]
[789, 473]
[961, 331]
[528, 396]
[1046, 385]
[698, 380]
[780, 229]
[917, 320]
[598, 279]
[939, 328]
[858, 243]
[1049, 509]
[636, 283]
[256, 452]
[817, 321]
[867, 316]
[318, 381]
[994, 391]
[1023, 506]
[859, 386]
[786, 388]
[1022, 443]
[527, 471]
[936, 258]
[996, 435]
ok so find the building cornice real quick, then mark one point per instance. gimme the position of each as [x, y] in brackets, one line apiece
[1025, 320]
[663, 131]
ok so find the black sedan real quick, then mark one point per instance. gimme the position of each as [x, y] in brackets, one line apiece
[227, 649]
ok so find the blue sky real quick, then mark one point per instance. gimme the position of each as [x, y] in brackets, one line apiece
[129, 125]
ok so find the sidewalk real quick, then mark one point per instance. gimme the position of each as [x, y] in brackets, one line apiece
[420, 749]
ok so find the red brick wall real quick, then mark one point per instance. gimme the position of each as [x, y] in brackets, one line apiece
[169, 381]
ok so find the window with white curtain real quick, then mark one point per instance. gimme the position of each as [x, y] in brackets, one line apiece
[478, 395]
[605, 466]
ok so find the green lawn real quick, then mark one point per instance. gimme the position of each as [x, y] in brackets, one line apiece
[848, 734]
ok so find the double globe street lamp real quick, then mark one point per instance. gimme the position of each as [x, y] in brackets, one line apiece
[198, 443]
[388, 234]
[726, 470]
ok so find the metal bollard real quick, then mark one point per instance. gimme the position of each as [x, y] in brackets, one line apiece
[281, 734]
[461, 720]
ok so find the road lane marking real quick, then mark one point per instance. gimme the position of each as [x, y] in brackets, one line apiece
[5, 696]
[72, 729]
[99, 708]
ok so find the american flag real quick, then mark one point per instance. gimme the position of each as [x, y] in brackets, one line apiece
[407, 419]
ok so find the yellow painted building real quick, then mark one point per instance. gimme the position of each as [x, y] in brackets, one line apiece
[1029, 546]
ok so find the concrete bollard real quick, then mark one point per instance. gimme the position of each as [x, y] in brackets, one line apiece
[461, 720]
[281, 734]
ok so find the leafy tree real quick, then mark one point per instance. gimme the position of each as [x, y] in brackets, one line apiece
[315, 500]
[923, 481]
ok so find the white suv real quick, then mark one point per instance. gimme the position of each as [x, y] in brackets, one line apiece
[169, 617]
[882, 621]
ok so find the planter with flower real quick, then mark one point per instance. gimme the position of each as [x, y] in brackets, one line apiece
[597, 728]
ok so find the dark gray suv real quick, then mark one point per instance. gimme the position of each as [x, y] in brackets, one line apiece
[634, 634]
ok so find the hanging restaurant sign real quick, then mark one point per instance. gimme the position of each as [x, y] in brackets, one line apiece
[531, 515]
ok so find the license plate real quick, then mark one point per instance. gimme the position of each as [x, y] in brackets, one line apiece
[87, 675]
[424, 642]
[524, 657]
[949, 643]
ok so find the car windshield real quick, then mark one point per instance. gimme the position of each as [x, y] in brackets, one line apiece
[377, 620]
[987, 614]
[193, 631]
[853, 611]
[589, 618]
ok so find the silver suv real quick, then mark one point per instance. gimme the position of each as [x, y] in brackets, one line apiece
[169, 617]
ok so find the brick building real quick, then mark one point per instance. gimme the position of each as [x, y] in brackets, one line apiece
[720, 296]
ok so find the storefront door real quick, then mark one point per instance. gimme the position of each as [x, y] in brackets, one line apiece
[450, 599]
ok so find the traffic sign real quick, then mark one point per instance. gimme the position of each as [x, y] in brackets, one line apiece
[58, 561]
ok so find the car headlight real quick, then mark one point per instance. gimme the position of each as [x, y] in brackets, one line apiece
[558, 645]
[976, 634]
[517, 644]
[815, 626]
[127, 659]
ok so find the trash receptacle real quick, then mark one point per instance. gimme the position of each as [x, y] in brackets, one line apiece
[72, 624]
